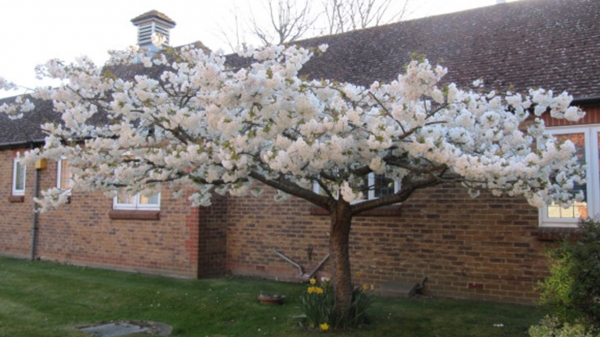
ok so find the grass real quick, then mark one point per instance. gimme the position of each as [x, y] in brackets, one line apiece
[48, 299]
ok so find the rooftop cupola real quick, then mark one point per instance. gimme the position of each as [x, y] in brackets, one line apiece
[151, 23]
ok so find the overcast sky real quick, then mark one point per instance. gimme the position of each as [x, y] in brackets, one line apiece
[34, 31]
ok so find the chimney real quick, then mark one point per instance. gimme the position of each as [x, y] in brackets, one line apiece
[152, 22]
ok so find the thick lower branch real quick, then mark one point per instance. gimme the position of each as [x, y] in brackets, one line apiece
[407, 189]
[293, 189]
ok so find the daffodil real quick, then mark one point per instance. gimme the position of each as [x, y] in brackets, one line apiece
[315, 290]
[324, 327]
[313, 281]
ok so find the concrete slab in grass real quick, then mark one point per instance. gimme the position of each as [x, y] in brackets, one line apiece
[117, 329]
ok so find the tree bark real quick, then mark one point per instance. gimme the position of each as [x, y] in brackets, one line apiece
[341, 220]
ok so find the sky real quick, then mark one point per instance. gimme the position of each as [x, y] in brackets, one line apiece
[34, 31]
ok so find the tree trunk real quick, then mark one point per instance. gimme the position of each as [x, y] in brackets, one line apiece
[341, 219]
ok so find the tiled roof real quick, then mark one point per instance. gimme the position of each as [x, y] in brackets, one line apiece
[554, 44]
[27, 129]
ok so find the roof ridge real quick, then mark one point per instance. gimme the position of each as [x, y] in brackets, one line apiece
[153, 14]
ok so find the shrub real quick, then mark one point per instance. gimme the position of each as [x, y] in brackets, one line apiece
[572, 291]
[552, 327]
[318, 302]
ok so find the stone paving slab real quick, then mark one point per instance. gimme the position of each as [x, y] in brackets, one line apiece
[126, 328]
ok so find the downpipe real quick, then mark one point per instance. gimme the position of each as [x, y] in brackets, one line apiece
[36, 215]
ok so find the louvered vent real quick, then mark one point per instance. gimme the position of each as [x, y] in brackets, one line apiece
[152, 22]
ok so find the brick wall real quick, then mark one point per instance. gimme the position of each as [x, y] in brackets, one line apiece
[486, 248]
[82, 233]
[212, 238]
[16, 217]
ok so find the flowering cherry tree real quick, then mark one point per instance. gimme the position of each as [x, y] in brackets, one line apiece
[205, 125]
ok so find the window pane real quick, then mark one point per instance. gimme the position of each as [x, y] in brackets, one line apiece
[366, 188]
[377, 186]
[19, 176]
[383, 186]
[125, 198]
[578, 209]
[65, 175]
[149, 200]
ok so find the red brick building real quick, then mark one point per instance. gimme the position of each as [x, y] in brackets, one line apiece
[486, 248]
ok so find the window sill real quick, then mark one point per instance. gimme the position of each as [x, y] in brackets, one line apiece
[124, 214]
[384, 211]
[16, 198]
[557, 233]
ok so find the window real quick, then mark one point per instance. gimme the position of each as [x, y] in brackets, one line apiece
[18, 184]
[137, 201]
[128, 201]
[586, 140]
[381, 186]
[376, 186]
[63, 176]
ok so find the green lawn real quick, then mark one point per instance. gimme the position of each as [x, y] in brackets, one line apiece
[46, 299]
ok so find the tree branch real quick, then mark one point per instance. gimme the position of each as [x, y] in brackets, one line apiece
[407, 189]
[295, 190]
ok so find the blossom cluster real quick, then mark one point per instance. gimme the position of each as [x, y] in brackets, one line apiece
[204, 125]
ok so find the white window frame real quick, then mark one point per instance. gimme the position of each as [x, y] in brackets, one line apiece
[136, 205]
[16, 163]
[59, 181]
[371, 192]
[592, 181]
